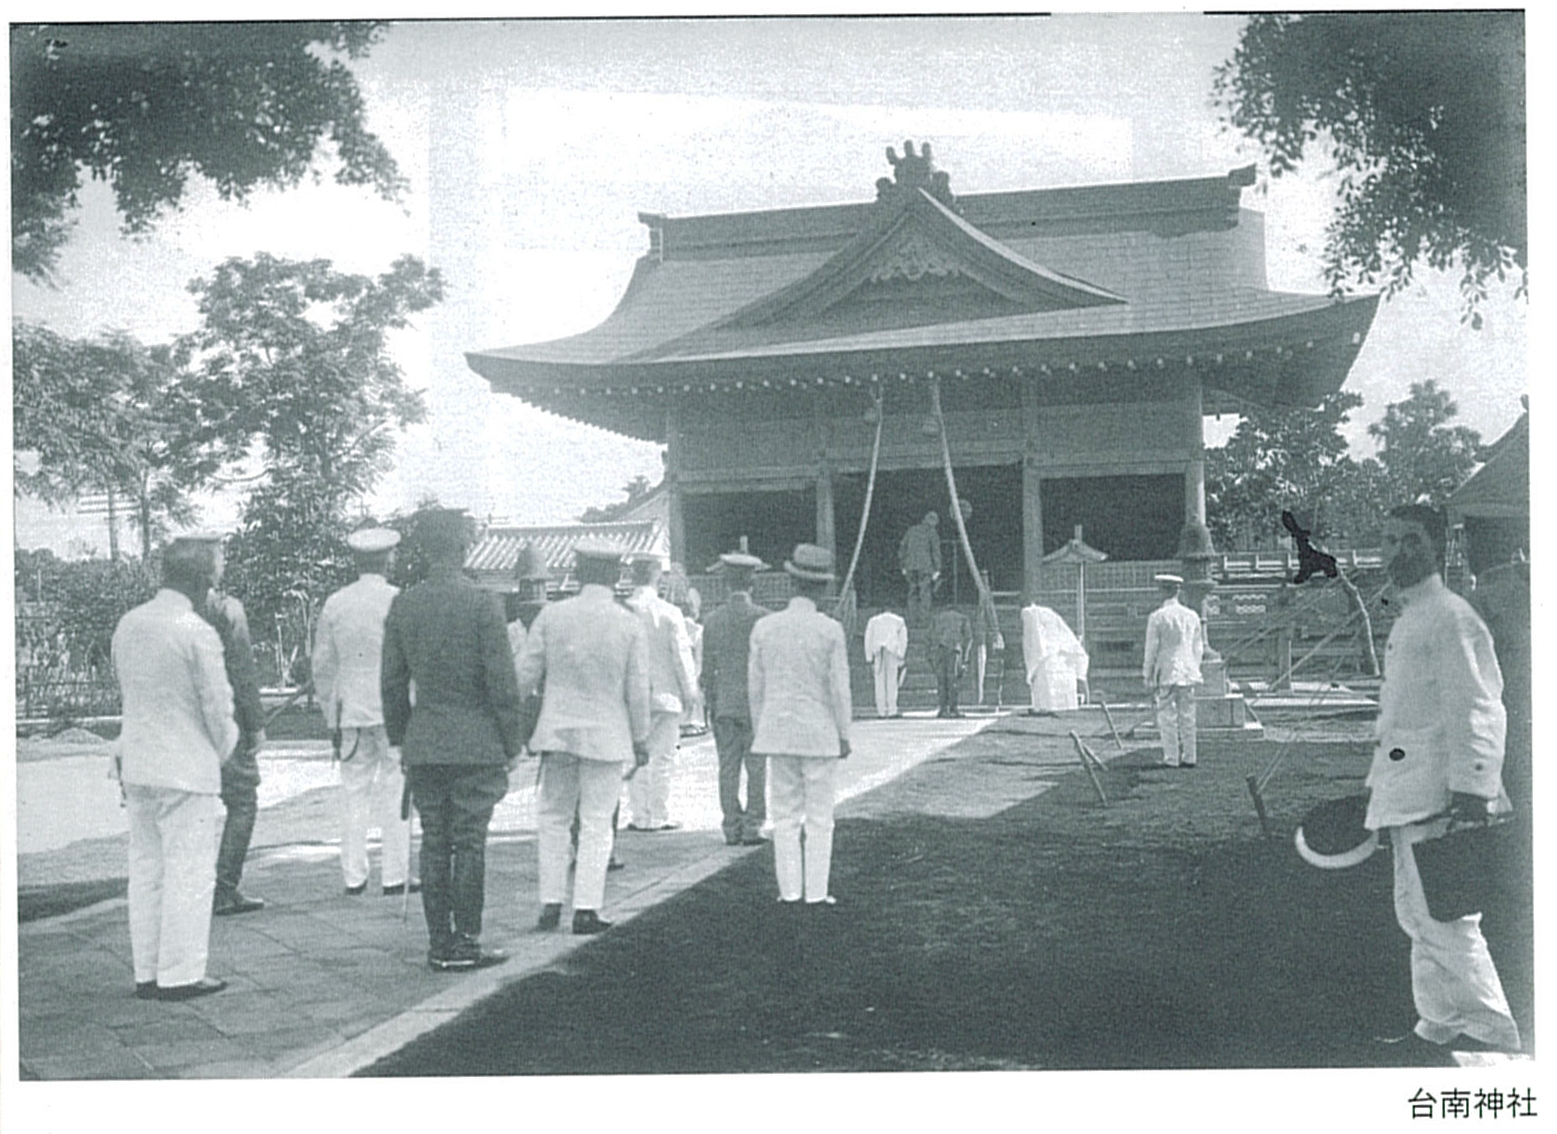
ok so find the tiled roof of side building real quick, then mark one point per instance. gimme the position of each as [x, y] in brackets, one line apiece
[495, 554]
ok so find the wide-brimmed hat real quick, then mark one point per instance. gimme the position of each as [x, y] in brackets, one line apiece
[808, 561]
[369, 540]
[740, 561]
[1332, 835]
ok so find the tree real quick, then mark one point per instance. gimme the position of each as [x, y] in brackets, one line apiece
[1423, 114]
[1420, 454]
[107, 415]
[291, 366]
[637, 490]
[1293, 460]
[145, 106]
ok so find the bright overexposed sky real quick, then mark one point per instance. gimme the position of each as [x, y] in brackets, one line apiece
[531, 146]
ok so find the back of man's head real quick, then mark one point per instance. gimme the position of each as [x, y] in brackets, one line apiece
[600, 572]
[444, 536]
[189, 567]
[646, 571]
[1432, 522]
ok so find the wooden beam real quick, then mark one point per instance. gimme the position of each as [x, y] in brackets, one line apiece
[1032, 494]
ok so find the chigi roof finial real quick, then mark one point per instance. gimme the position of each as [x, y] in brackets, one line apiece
[911, 172]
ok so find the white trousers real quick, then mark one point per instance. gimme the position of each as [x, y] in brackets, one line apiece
[886, 664]
[589, 788]
[1176, 723]
[800, 794]
[371, 784]
[173, 841]
[648, 791]
[1453, 980]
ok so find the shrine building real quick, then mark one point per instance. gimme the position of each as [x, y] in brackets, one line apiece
[1076, 338]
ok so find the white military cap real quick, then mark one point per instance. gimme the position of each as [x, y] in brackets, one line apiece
[598, 549]
[373, 539]
[741, 561]
[1168, 580]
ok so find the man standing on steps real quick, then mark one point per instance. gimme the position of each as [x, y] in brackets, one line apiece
[726, 649]
[951, 637]
[240, 773]
[1175, 645]
[919, 558]
[586, 655]
[460, 739]
[348, 647]
[672, 690]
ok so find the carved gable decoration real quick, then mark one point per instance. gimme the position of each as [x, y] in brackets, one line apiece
[915, 257]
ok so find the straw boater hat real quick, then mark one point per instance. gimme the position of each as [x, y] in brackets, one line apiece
[369, 540]
[1332, 834]
[1168, 580]
[740, 561]
[808, 561]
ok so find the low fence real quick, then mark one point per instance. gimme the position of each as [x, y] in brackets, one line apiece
[53, 696]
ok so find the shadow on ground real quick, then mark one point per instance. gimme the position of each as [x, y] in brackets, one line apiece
[1161, 931]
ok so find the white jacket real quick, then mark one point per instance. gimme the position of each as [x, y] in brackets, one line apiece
[589, 652]
[348, 647]
[668, 653]
[178, 718]
[797, 677]
[1441, 721]
[886, 631]
[1175, 644]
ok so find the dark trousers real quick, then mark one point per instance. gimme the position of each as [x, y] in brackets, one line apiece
[240, 795]
[948, 673]
[455, 802]
[732, 739]
[921, 595]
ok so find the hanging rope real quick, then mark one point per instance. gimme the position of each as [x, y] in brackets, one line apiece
[848, 606]
[986, 600]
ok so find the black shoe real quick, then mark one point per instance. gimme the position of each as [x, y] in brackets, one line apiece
[1411, 1050]
[203, 987]
[145, 990]
[225, 905]
[464, 953]
[1187, 764]
[616, 864]
[399, 888]
[551, 916]
[359, 889]
[754, 840]
[588, 921]
[733, 840]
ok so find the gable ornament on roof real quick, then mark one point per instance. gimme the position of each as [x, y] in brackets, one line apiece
[913, 172]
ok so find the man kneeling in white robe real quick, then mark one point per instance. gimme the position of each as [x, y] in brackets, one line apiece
[1055, 660]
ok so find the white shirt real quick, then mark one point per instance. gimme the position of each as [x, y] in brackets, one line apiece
[1047, 639]
[1440, 709]
[1175, 643]
[886, 631]
[348, 647]
[590, 653]
[797, 677]
[672, 672]
[178, 716]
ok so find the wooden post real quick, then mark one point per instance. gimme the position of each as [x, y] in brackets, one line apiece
[1032, 496]
[677, 522]
[826, 521]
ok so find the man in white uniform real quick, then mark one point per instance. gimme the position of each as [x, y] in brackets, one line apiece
[1175, 644]
[178, 730]
[1054, 658]
[348, 647]
[797, 677]
[589, 653]
[672, 691]
[886, 648]
[1440, 736]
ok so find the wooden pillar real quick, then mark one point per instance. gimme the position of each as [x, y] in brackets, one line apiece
[826, 523]
[1195, 472]
[1032, 497]
[673, 493]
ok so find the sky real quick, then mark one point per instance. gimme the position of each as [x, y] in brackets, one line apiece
[531, 147]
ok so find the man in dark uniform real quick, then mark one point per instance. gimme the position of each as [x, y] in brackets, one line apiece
[240, 774]
[459, 741]
[726, 640]
[951, 636]
[919, 557]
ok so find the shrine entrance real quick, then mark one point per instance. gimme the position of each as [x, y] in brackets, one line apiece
[902, 498]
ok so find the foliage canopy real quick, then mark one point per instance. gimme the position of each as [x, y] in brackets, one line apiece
[1423, 115]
